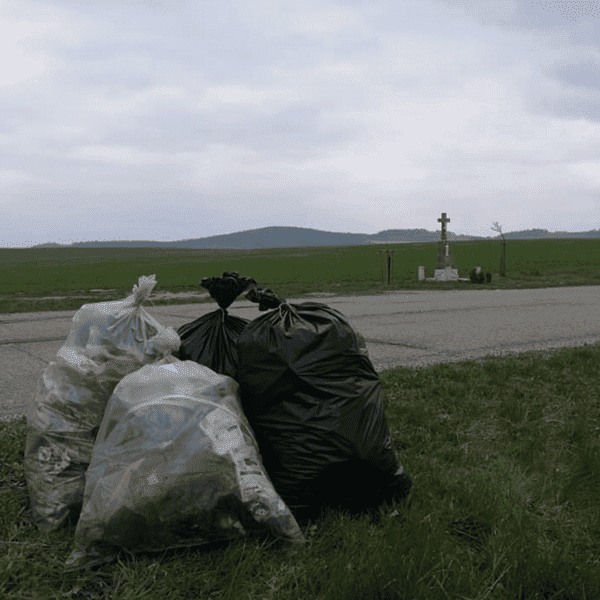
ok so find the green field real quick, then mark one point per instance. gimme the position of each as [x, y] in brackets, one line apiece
[504, 454]
[26, 275]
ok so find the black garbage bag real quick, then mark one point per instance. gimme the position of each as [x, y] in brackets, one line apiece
[211, 340]
[314, 402]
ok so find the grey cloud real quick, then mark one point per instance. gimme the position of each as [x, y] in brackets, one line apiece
[160, 214]
[585, 74]
[103, 68]
[573, 106]
[149, 5]
[296, 131]
[212, 39]
[22, 110]
[136, 45]
[528, 15]
[565, 89]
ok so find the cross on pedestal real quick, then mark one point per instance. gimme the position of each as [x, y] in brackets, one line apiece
[444, 258]
[443, 221]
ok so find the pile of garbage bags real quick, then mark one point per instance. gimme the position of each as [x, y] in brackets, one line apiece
[149, 438]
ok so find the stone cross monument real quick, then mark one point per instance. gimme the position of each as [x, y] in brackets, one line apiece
[443, 221]
[445, 269]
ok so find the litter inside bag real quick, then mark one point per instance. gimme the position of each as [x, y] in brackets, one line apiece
[175, 464]
[211, 340]
[107, 341]
[314, 401]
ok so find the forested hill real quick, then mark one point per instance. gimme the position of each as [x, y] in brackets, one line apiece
[286, 237]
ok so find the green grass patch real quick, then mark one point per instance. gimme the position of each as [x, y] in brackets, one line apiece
[28, 276]
[504, 453]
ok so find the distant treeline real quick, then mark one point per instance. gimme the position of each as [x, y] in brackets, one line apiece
[294, 237]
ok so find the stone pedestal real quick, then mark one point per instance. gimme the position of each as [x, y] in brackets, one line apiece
[421, 273]
[446, 274]
[444, 256]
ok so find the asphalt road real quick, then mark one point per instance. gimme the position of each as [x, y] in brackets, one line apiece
[410, 329]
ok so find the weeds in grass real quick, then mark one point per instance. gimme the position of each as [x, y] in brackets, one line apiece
[504, 453]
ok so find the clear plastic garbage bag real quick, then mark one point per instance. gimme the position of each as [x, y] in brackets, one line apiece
[107, 341]
[175, 464]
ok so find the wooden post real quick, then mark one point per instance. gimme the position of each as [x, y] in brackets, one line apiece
[388, 265]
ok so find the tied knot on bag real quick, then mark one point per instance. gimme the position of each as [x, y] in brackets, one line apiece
[287, 307]
[227, 288]
[288, 315]
[266, 299]
[143, 288]
[166, 340]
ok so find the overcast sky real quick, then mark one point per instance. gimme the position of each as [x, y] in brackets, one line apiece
[177, 119]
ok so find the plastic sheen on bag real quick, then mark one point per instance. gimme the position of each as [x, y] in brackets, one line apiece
[211, 340]
[314, 401]
[175, 465]
[107, 341]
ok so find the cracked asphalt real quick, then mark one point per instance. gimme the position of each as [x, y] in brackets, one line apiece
[409, 329]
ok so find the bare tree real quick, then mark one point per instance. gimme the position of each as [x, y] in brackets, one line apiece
[498, 228]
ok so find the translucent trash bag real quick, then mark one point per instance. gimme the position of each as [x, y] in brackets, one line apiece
[175, 465]
[107, 341]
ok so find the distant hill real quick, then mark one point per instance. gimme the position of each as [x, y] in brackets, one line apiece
[276, 237]
[292, 237]
[51, 245]
[529, 234]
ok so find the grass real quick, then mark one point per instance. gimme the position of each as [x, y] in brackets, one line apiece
[27, 276]
[504, 453]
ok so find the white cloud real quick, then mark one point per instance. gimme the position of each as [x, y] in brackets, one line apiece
[13, 180]
[469, 136]
[588, 171]
[329, 105]
[7, 176]
[28, 33]
[498, 10]
[119, 154]
[324, 21]
[261, 98]
[144, 102]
